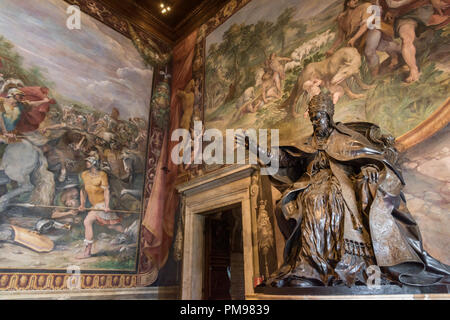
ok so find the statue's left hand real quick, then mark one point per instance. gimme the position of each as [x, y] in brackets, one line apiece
[371, 173]
[242, 140]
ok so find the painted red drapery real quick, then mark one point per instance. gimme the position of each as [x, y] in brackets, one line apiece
[31, 119]
[158, 221]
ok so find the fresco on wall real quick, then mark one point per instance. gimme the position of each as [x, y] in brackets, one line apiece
[426, 168]
[266, 61]
[74, 108]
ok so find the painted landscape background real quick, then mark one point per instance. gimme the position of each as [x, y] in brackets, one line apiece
[303, 31]
[100, 91]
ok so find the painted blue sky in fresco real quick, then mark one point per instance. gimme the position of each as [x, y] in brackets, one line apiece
[95, 65]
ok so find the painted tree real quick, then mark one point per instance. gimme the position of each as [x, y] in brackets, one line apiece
[12, 66]
[215, 79]
[242, 52]
[235, 50]
[282, 25]
[301, 29]
[262, 35]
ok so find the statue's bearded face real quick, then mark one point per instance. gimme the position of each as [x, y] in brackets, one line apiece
[320, 123]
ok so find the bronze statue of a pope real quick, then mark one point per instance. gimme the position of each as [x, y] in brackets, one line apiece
[342, 208]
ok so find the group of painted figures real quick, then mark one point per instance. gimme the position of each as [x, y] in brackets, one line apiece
[360, 33]
[69, 157]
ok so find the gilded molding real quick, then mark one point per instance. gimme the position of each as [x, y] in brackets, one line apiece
[435, 122]
[56, 281]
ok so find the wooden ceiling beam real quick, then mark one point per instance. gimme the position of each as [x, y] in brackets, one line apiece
[144, 18]
[197, 17]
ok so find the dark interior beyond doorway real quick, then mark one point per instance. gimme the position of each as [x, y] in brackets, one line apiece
[224, 258]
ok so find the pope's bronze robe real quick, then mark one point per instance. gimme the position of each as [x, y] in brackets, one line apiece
[337, 222]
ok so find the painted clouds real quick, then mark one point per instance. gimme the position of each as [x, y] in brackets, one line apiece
[95, 65]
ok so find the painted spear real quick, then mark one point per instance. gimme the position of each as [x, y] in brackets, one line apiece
[30, 205]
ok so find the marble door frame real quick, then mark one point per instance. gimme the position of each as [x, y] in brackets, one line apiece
[226, 187]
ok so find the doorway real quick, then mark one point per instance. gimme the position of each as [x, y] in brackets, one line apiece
[224, 257]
